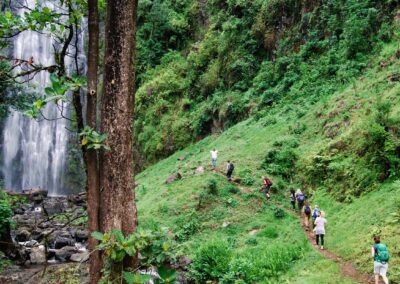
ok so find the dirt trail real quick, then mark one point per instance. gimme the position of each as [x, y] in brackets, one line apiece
[347, 269]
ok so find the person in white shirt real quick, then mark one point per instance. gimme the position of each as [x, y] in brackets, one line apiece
[214, 157]
[320, 228]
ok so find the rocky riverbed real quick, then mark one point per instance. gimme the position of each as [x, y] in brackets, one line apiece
[48, 230]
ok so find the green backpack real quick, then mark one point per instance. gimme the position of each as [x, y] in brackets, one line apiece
[381, 253]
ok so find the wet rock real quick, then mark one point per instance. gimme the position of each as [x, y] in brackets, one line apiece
[22, 235]
[53, 206]
[82, 234]
[37, 255]
[199, 170]
[29, 244]
[64, 254]
[61, 242]
[44, 225]
[24, 221]
[79, 199]
[37, 234]
[80, 257]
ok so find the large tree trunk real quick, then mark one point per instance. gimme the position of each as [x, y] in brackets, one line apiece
[118, 208]
[91, 159]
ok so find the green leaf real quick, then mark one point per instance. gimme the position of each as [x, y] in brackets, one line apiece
[118, 235]
[168, 275]
[136, 278]
[97, 235]
[46, 10]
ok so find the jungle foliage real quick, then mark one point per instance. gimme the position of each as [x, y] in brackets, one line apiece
[203, 66]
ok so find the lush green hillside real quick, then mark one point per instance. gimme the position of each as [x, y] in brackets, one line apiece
[205, 65]
[341, 148]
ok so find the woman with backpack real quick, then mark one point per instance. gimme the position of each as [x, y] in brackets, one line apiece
[320, 229]
[266, 186]
[381, 259]
[300, 197]
[307, 215]
[315, 214]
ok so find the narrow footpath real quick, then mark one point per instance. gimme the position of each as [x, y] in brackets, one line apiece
[347, 269]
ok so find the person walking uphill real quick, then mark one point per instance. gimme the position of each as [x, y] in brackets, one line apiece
[293, 198]
[229, 170]
[320, 229]
[300, 197]
[266, 186]
[307, 215]
[315, 214]
[214, 157]
[381, 258]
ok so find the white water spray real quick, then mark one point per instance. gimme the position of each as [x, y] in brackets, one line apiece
[34, 152]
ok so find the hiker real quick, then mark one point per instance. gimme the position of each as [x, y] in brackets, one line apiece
[293, 198]
[214, 157]
[315, 214]
[381, 258]
[320, 229]
[300, 197]
[266, 186]
[307, 215]
[229, 170]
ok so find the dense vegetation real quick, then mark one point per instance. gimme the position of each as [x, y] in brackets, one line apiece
[203, 66]
[332, 147]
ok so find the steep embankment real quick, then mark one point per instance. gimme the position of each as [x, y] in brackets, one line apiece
[342, 149]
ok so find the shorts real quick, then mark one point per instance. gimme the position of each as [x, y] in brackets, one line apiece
[380, 268]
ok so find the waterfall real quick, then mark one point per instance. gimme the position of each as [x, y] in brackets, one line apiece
[35, 151]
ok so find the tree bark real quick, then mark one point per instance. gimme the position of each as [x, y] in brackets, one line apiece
[118, 209]
[90, 155]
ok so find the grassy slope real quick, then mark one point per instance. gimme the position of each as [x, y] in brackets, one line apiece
[350, 225]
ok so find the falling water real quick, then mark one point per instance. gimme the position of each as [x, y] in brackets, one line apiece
[35, 151]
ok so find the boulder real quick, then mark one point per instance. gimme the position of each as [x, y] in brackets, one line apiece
[199, 170]
[22, 235]
[29, 244]
[37, 255]
[24, 221]
[79, 199]
[61, 242]
[37, 234]
[81, 234]
[80, 257]
[173, 178]
[53, 206]
[64, 254]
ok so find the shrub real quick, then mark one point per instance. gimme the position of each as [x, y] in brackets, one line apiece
[187, 226]
[269, 232]
[252, 241]
[5, 213]
[212, 187]
[211, 261]
[279, 213]
[247, 178]
[280, 162]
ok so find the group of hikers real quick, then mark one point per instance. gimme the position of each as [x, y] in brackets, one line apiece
[317, 216]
